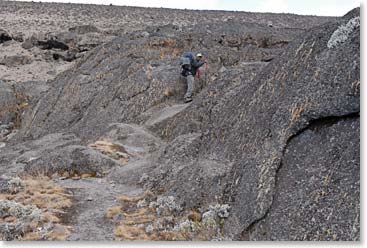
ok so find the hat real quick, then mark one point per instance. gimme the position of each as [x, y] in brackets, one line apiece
[199, 55]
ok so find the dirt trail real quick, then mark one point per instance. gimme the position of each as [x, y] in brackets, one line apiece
[93, 196]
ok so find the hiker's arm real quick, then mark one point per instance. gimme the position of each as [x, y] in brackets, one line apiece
[198, 64]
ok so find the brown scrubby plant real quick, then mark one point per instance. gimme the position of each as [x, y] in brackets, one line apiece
[151, 217]
[34, 211]
[114, 151]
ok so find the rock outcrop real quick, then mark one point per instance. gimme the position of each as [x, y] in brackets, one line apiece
[272, 132]
[4, 36]
[138, 78]
[250, 131]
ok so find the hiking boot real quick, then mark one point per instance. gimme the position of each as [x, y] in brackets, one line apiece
[188, 99]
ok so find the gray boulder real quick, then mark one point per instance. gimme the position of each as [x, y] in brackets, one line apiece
[16, 60]
[74, 159]
[44, 41]
[4, 36]
[54, 153]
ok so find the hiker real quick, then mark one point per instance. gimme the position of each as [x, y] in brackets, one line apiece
[197, 63]
[190, 66]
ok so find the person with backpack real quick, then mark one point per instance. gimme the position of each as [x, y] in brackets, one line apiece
[190, 66]
[197, 63]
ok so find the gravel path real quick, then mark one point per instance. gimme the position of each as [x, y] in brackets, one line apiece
[92, 198]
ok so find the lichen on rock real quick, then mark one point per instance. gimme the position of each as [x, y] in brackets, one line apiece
[342, 33]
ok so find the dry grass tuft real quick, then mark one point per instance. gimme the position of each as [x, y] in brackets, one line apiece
[146, 218]
[59, 232]
[297, 111]
[51, 218]
[140, 219]
[130, 233]
[31, 236]
[194, 216]
[168, 92]
[49, 200]
[87, 175]
[112, 211]
[138, 213]
[167, 236]
[114, 151]
[124, 199]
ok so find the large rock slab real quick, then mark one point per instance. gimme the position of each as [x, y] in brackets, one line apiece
[120, 80]
[318, 186]
[251, 128]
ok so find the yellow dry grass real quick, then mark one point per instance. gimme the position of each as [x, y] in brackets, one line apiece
[87, 175]
[129, 228]
[141, 219]
[52, 200]
[31, 236]
[51, 218]
[59, 232]
[124, 232]
[194, 216]
[136, 219]
[138, 213]
[76, 174]
[10, 219]
[112, 150]
[166, 236]
[42, 193]
[297, 111]
[168, 92]
[123, 199]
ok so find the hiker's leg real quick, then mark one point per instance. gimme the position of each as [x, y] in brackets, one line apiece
[190, 86]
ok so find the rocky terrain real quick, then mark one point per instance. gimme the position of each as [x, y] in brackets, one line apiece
[91, 99]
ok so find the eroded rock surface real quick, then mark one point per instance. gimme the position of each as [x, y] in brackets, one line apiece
[275, 106]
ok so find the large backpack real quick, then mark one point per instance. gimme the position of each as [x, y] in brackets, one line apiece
[186, 58]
